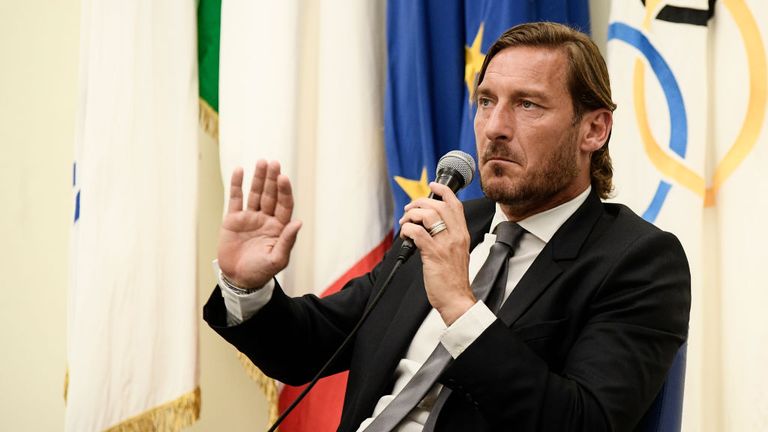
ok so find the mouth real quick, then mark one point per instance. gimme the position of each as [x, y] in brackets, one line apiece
[500, 159]
[500, 154]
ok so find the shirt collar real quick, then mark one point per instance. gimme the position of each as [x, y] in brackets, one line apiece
[544, 225]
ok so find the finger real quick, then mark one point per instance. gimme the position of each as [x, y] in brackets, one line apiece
[425, 217]
[425, 203]
[285, 242]
[284, 208]
[448, 196]
[257, 185]
[450, 209]
[439, 211]
[269, 194]
[417, 233]
[236, 191]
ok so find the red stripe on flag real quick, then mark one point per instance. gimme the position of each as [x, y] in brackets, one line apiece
[366, 264]
[320, 411]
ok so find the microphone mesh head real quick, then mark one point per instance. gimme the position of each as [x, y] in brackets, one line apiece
[463, 163]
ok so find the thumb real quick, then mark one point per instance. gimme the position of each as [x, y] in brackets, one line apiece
[285, 242]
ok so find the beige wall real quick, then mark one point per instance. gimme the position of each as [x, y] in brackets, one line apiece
[38, 76]
[39, 43]
[598, 12]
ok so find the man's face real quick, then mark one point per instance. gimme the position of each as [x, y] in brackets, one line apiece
[527, 142]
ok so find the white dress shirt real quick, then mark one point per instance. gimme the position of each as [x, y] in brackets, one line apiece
[466, 329]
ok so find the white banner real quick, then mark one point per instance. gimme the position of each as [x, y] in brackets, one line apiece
[689, 144]
[133, 313]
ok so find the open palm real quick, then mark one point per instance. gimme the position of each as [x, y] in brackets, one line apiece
[255, 242]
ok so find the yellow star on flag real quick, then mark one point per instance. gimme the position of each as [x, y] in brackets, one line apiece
[415, 188]
[473, 61]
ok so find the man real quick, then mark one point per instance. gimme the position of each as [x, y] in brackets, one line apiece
[596, 300]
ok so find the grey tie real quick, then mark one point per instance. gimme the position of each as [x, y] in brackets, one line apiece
[489, 285]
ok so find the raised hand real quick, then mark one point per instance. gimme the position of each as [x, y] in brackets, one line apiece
[255, 242]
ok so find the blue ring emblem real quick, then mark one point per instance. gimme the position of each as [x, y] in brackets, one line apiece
[678, 137]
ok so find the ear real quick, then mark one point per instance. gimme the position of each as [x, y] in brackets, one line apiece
[596, 128]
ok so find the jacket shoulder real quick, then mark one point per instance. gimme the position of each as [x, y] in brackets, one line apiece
[628, 221]
[478, 206]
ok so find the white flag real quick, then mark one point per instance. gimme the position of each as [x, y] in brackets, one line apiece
[689, 147]
[132, 318]
[737, 182]
[304, 84]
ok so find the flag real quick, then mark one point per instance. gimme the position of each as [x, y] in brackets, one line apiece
[303, 84]
[132, 305]
[208, 43]
[435, 51]
[739, 205]
[689, 141]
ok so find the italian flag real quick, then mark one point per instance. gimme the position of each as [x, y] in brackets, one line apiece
[304, 84]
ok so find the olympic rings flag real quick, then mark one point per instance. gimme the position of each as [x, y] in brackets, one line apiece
[689, 141]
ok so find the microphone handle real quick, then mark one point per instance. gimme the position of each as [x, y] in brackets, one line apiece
[448, 177]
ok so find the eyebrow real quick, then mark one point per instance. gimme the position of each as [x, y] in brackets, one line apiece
[481, 91]
[517, 94]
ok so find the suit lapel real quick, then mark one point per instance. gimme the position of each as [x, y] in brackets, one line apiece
[564, 246]
[536, 280]
[413, 307]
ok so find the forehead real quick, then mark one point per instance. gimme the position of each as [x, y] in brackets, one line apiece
[540, 68]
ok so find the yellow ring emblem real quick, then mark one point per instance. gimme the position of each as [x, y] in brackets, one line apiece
[750, 128]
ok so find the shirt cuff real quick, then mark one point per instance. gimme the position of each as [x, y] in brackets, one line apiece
[465, 330]
[240, 307]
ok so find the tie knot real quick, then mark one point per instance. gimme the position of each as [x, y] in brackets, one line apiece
[509, 233]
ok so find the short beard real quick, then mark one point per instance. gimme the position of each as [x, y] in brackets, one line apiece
[558, 172]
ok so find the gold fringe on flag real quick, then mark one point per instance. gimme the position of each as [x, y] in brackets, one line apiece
[267, 384]
[66, 385]
[170, 416]
[209, 120]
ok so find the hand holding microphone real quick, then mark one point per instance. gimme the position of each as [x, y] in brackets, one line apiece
[455, 170]
[437, 227]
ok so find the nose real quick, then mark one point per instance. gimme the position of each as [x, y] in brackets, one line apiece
[499, 125]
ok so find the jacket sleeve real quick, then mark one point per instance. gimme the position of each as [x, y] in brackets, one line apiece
[291, 338]
[635, 322]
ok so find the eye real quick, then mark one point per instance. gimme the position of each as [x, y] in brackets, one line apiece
[483, 101]
[526, 104]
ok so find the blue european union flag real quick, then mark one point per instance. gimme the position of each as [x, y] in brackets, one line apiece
[435, 49]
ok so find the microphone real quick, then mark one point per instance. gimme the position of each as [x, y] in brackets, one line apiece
[456, 170]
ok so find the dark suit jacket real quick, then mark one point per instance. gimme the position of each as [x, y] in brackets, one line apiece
[583, 343]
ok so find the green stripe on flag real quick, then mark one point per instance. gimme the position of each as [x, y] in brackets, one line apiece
[208, 35]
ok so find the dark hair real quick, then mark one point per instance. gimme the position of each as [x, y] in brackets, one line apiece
[588, 81]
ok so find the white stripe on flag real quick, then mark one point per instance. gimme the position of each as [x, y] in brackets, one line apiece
[307, 89]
